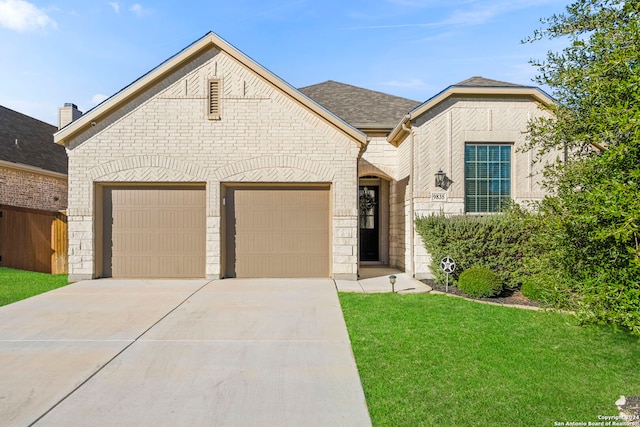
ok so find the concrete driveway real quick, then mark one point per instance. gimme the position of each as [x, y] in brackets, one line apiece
[240, 352]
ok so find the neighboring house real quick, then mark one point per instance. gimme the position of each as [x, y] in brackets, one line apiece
[212, 166]
[33, 170]
[33, 189]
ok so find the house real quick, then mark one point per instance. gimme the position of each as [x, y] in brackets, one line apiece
[212, 166]
[33, 170]
[33, 191]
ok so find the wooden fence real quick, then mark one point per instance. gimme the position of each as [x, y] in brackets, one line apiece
[33, 240]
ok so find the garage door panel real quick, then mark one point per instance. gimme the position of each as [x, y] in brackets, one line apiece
[278, 232]
[154, 232]
[178, 242]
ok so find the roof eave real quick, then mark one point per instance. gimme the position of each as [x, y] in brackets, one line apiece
[130, 91]
[32, 169]
[206, 42]
[399, 133]
[523, 91]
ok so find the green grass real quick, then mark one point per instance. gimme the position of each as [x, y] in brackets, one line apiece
[16, 285]
[433, 360]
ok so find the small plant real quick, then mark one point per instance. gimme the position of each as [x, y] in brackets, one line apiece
[480, 282]
[532, 290]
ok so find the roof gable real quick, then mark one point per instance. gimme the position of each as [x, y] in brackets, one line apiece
[210, 40]
[473, 87]
[362, 108]
[28, 141]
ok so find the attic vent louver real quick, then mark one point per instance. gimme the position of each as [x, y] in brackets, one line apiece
[213, 89]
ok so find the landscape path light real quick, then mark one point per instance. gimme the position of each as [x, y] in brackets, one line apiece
[392, 280]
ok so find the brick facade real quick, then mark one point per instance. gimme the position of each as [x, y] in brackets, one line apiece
[436, 141]
[441, 135]
[164, 135]
[158, 130]
[27, 189]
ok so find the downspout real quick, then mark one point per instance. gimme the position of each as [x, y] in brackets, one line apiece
[357, 251]
[411, 201]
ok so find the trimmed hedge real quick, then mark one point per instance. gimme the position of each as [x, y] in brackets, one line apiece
[499, 242]
[480, 282]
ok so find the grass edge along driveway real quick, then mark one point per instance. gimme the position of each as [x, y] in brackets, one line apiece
[427, 360]
[16, 285]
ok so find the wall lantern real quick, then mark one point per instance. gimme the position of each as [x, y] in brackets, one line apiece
[441, 179]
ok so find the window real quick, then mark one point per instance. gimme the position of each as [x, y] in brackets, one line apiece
[487, 177]
[368, 207]
[213, 99]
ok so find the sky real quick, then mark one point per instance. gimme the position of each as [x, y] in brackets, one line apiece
[80, 51]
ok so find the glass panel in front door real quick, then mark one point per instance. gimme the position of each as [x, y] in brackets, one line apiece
[368, 218]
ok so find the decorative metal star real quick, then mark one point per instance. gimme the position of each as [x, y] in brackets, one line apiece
[448, 265]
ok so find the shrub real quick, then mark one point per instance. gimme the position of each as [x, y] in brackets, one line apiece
[480, 282]
[499, 242]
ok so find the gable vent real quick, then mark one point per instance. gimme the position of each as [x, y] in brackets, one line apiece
[213, 90]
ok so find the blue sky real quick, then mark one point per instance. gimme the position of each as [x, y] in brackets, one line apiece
[57, 51]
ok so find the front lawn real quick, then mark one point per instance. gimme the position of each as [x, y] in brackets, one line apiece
[16, 285]
[434, 360]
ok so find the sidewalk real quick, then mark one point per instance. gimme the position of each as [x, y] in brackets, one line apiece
[376, 280]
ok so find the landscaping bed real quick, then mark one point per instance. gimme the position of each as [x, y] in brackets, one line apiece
[507, 296]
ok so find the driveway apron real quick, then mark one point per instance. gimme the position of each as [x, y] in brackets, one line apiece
[235, 352]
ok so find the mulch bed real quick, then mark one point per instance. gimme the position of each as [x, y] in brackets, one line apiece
[508, 296]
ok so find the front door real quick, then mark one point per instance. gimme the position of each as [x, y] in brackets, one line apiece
[369, 222]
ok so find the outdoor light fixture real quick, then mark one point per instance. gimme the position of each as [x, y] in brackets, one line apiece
[441, 179]
[392, 280]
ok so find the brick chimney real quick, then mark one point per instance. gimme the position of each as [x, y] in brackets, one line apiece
[68, 114]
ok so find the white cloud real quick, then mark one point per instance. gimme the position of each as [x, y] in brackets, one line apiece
[98, 98]
[138, 9]
[20, 15]
[481, 12]
[115, 6]
[465, 13]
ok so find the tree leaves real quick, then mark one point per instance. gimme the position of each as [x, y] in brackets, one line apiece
[592, 219]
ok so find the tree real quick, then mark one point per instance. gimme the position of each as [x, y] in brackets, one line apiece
[590, 247]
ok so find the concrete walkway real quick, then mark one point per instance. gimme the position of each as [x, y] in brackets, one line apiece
[258, 352]
[375, 279]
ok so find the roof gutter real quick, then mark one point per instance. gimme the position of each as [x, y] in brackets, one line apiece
[401, 131]
[32, 169]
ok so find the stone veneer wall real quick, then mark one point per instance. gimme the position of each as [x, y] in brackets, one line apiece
[164, 135]
[28, 189]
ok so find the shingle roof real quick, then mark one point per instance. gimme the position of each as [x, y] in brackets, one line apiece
[478, 81]
[29, 141]
[361, 108]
